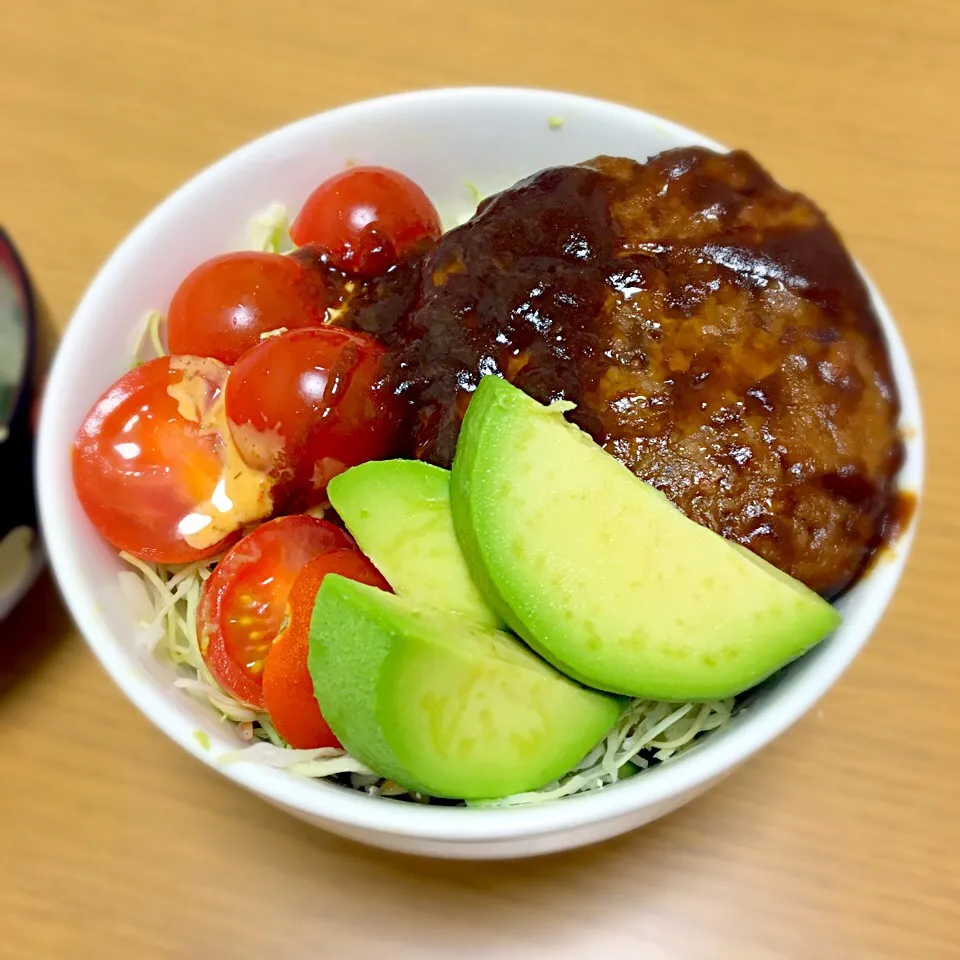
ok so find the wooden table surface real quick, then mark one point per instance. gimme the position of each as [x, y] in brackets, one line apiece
[842, 840]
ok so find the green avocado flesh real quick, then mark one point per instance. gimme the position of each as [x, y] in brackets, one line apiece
[399, 513]
[602, 575]
[442, 705]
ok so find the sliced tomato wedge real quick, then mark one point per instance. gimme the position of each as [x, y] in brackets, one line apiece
[244, 601]
[142, 470]
[287, 687]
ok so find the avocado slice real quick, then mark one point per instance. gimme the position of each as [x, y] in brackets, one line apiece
[399, 513]
[602, 575]
[442, 705]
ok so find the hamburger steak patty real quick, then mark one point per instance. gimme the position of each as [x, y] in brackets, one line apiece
[708, 324]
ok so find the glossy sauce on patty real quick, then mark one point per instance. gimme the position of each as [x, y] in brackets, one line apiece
[709, 325]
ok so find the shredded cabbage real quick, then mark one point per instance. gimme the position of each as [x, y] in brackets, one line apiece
[649, 731]
[164, 601]
[269, 231]
[148, 335]
[322, 762]
[166, 608]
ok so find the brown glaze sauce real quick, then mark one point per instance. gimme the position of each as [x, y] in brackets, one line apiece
[374, 306]
[708, 324]
[897, 519]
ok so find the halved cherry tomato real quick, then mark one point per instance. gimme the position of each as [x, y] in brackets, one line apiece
[244, 600]
[224, 306]
[287, 686]
[307, 404]
[141, 469]
[366, 219]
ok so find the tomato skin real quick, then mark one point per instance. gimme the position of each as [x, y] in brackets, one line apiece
[287, 685]
[244, 600]
[307, 404]
[140, 468]
[366, 219]
[222, 307]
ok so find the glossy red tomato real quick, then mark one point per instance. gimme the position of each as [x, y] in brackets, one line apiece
[287, 686]
[366, 219]
[222, 308]
[305, 405]
[244, 601]
[141, 470]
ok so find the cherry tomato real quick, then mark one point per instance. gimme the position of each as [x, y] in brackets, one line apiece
[307, 404]
[366, 219]
[287, 686]
[244, 600]
[222, 308]
[141, 469]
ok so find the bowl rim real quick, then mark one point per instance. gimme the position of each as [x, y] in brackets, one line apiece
[354, 809]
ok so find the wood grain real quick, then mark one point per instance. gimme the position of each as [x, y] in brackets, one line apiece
[842, 840]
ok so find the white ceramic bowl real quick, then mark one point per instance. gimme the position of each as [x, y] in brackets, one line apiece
[443, 138]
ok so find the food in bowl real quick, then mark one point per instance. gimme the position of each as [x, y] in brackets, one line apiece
[596, 290]
[709, 325]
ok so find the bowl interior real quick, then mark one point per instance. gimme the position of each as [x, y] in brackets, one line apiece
[445, 141]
